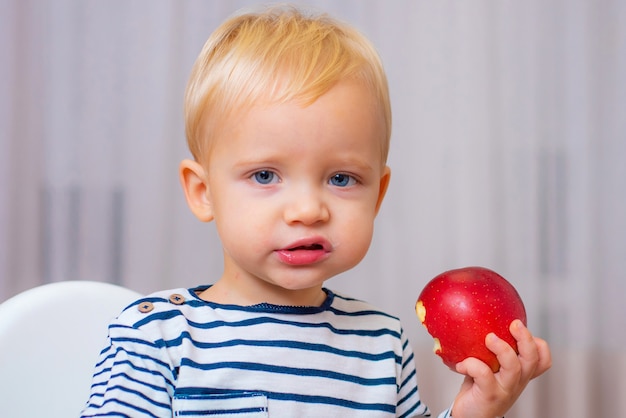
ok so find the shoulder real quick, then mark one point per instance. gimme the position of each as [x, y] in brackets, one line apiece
[363, 314]
[343, 304]
[160, 306]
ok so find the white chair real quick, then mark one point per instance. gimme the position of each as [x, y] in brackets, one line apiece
[50, 338]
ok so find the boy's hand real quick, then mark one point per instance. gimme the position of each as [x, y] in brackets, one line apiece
[487, 394]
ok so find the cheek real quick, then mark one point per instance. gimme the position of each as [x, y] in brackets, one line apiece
[357, 233]
[243, 227]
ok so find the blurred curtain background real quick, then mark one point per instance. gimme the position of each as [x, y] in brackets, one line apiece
[508, 151]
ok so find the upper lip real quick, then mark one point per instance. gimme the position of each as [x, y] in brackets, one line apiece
[308, 243]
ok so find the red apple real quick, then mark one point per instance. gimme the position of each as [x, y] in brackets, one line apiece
[460, 307]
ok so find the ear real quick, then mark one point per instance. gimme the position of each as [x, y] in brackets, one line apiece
[382, 188]
[195, 185]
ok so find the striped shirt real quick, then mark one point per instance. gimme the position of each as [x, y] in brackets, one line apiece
[173, 354]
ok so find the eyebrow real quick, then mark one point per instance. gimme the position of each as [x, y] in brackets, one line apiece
[354, 162]
[348, 162]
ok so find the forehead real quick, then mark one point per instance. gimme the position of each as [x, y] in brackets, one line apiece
[347, 118]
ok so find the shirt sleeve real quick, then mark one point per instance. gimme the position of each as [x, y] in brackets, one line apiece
[133, 376]
[409, 402]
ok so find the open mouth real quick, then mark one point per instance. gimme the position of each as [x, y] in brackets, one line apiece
[312, 247]
[305, 252]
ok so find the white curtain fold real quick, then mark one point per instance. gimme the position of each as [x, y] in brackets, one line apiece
[508, 151]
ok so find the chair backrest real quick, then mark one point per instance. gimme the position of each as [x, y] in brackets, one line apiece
[50, 338]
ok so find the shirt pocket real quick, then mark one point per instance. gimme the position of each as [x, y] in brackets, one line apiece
[221, 405]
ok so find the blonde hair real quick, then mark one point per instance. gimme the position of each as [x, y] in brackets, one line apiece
[278, 54]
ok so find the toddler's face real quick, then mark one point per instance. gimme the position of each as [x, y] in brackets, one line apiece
[294, 190]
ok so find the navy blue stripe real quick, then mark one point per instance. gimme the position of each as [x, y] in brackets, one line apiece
[408, 379]
[137, 341]
[152, 299]
[296, 371]
[349, 299]
[159, 316]
[140, 382]
[129, 406]
[410, 411]
[359, 313]
[282, 344]
[312, 399]
[408, 361]
[125, 376]
[333, 401]
[139, 355]
[405, 344]
[107, 414]
[105, 359]
[133, 392]
[106, 385]
[147, 371]
[408, 396]
[164, 316]
[222, 411]
[134, 367]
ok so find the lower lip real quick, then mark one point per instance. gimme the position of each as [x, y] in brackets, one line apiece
[301, 257]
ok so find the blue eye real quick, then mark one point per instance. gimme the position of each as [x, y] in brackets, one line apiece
[265, 177]
[342, 180]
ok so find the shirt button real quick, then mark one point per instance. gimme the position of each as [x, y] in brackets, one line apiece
[145, 307]
[177, 299]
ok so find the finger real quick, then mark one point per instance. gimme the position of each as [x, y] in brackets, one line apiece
[545, 357]
[527, 348]
[510, 367]
[525, 340]
[477, 370]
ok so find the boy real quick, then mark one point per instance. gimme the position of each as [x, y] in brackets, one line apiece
[288, 120]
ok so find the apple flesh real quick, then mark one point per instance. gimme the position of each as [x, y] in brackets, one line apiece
[460, 307]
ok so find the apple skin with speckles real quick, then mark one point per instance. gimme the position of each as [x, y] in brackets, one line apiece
[460, 307]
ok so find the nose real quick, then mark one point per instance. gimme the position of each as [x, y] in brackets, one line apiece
[306, 206]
